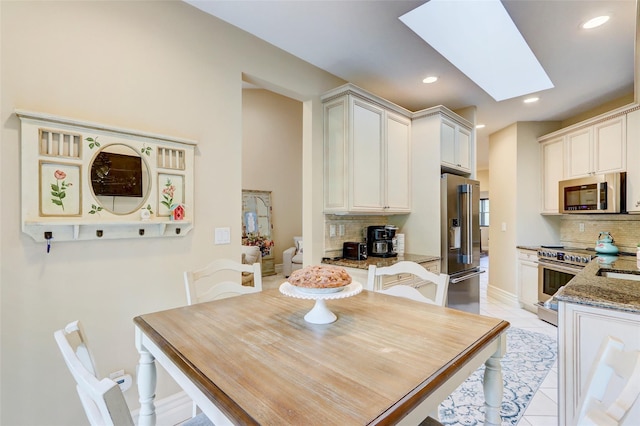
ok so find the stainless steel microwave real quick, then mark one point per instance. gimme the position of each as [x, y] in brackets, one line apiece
[604, 193]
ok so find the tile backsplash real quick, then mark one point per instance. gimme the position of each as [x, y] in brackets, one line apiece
[624, 228]
[354, 230]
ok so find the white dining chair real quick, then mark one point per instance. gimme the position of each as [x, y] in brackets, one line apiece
[102, 399]
[212, 283]
[439, 281]
[612, 364]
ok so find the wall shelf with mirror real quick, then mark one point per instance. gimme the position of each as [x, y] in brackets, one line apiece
[87, 181]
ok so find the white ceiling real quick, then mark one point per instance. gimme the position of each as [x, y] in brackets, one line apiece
[364, 42]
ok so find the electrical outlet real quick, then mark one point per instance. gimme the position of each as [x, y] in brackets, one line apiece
[581, 227]
[332, 230]
[341, 230]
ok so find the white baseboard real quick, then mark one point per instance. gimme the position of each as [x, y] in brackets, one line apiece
[171, 410]
[505, 297]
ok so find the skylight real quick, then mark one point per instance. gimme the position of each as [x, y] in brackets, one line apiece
[481, 40]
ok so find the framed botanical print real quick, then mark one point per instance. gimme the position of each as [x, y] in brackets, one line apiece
[60, 189]
[170, 192]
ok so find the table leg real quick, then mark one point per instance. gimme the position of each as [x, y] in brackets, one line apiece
[146, 383]
[493, 385]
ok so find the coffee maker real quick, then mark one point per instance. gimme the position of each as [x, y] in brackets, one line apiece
[380, 241]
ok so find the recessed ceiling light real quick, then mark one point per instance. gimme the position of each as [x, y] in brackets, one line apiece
[595, 22]
[531, 100]
[431, 79]
[480, 126]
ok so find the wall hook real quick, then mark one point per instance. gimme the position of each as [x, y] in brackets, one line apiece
[48, 235]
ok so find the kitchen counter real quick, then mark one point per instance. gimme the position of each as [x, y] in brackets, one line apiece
[591, 286]
[380, 261]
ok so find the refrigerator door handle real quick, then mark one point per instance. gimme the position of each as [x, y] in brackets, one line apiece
[466, 277]
[466, 207]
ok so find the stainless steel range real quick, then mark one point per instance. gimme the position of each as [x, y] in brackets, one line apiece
[556, 267]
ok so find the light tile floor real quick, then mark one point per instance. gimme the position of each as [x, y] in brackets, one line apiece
[543, 408]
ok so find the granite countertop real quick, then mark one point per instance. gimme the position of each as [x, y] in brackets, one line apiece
[591, 287]
[380, 261]
[534, 248]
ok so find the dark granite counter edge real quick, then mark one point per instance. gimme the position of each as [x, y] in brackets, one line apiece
[590, 288]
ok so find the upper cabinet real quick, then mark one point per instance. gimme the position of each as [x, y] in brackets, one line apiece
[83, 181]
[598, 145]
[367, 154]
[552, 173]
[633, 161]
[455, 146]
[439, 127]
[600, 148]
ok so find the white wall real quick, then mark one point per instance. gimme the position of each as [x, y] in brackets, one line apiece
[162, 67]
[514, 156]
[483, 177]
[503, 184]
[272, 160]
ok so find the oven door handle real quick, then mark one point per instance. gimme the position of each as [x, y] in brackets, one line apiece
[559, 268]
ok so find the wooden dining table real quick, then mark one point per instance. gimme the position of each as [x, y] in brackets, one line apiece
[253, 359]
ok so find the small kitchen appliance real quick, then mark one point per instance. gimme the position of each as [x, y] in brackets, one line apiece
[380, 241]
[603, 193]
[605, 244]
[354, 250]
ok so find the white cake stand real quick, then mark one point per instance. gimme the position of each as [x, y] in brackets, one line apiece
[320, 314]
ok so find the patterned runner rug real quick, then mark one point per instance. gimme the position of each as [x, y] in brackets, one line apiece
[527, 362]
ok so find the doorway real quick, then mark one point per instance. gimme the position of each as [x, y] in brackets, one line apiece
[272, 127]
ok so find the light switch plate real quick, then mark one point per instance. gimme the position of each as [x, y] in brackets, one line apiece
[222, 236]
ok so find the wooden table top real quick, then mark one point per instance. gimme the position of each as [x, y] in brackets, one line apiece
[261, 363]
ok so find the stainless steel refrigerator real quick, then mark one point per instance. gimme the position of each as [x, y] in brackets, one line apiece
[460, 240]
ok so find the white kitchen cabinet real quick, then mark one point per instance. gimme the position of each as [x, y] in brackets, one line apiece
[599, 145]
[552, 172]
[633, 161]
[581, 330]
[528, 279]
[579, 152]
[455, 146]
[367, 154]
[600, 148]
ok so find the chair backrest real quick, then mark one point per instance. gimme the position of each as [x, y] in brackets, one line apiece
[216, 289]
[612, 360]
[102, 400]
[440, 281]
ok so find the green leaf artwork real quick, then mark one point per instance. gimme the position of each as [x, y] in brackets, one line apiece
[95, 209]
[93, 142]
[146, 150]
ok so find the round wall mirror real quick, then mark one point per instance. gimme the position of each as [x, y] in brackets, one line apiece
[120, 179]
